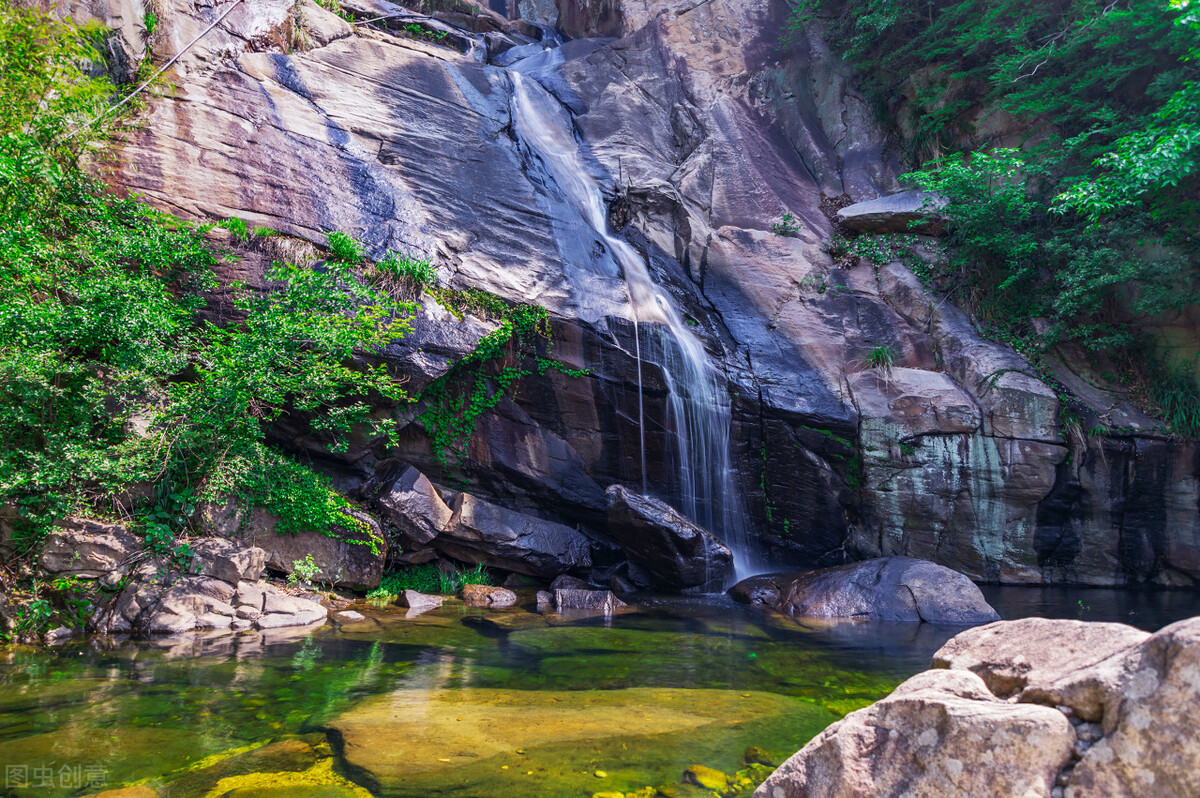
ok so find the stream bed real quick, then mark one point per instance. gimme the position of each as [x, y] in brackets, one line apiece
[465, 702]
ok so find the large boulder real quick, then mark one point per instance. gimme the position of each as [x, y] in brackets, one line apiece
[227, 561]
[1033, 653]
[87, 548]
[883, 589]
[480, 531]
[1034, 707]
[409, 501]
[939, 733]
[354, 558]
[676, 553]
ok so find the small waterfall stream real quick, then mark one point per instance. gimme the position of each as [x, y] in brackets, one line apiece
[698, 407]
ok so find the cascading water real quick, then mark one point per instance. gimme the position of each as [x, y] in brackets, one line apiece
[698, 408]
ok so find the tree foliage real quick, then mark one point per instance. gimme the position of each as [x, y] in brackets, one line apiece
[115, 393]
[1089, 226]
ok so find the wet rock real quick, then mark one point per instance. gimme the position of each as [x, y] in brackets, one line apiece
[885, 589]
[545, 601]
[757, 756]
[87, 548]
[904, 212]
[568, 582]
[227, 561]
[674, 552]
[488, 596]
[597, 600]
[350, 616]
[939, 733]
[481, 531]
[285, 756]
[418, 601]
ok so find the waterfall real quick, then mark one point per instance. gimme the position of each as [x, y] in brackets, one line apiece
[698, 407]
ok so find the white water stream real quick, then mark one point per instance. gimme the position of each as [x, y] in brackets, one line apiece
[698, 406]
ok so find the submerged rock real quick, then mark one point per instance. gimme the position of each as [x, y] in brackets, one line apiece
[676, 553]
[1033, 707]
[884, 589]
[467, 731]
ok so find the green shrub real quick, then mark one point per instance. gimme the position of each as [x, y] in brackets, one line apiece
[1088, 230]
[344, 248]
[428, 578]
[786, 226]
[236, 226]
[111, 382]
[881, 357]
[418, 272]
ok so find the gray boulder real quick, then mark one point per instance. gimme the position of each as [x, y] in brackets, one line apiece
[484, 532]
[883, 589]
[594, 600]
[415, 600]
[676, 553]
[407, 499]
[353, 559]
[939, 733]
[227, 561]
[1034, 707]
[87, 548]
[896, 213]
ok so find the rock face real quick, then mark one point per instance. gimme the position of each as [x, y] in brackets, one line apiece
[674, 552]
[1033, 707]
[703, 129]
[885, 589]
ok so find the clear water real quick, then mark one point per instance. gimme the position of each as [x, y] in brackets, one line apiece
[698, 405]
[459, 702]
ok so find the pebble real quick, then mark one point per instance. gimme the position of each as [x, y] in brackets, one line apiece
[600, 774]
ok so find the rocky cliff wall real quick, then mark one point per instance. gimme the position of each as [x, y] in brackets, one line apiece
[703, 129]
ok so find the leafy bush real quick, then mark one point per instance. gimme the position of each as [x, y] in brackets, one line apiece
[786, 226]
[111, 382]
[303, 571]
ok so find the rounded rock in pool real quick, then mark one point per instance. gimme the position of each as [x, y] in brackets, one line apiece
[884, 589]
